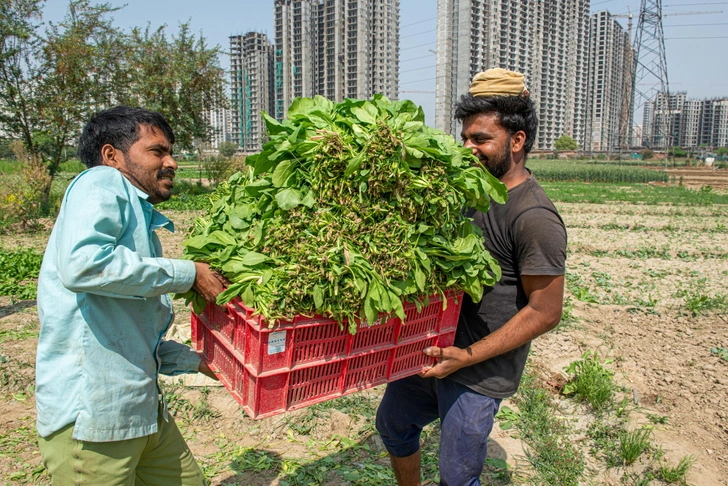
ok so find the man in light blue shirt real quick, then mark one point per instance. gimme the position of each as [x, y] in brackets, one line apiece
[104, 308]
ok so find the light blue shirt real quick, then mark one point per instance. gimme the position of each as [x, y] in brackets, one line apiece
[103, 308]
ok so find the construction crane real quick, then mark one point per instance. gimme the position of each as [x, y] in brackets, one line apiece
[415, 91]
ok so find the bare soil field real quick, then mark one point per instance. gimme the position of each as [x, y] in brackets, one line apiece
[646, 288]
[697, 177]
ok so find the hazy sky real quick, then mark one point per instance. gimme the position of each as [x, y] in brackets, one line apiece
[695, 44]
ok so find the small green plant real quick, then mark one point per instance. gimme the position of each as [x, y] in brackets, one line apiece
[498, 469]
[633, 444]
[567, 314]
[592, 382]
[720, 352]
[249, 459]
[657, 419]
[506, 417]
[203, 410]
[677, 474]
[700, 304]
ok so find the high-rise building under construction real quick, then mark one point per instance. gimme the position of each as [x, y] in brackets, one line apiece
[335, 48]
[610, 92]
[252, 89]
[546, 41]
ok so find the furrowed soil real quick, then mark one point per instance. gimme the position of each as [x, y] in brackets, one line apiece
[646, 288]
[697, 177]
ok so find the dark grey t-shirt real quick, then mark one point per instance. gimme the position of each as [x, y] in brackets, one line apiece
[527, 237]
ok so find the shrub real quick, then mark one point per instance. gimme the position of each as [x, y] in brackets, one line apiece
[227, 149]
[647, 154]
[565, 142]
[218, 169]
[22, 197]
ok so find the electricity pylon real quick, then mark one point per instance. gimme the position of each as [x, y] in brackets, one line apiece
[650, 73]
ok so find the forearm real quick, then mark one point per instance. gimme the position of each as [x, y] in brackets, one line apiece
[524, 327]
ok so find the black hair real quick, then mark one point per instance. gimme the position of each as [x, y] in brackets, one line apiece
[119, 127]
[515, 113]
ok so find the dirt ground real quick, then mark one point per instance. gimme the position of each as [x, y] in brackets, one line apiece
[697, 177]
[645, 271]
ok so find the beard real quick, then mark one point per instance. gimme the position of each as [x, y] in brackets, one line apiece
[499, 166]
[148, 182]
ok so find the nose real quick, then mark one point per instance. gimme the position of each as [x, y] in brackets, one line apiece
[468, 144]
[170, 163]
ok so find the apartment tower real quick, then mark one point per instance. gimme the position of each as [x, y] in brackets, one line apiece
[610, 93]
[546, 41]
[335, 48]
[691, 123]
[252, 89]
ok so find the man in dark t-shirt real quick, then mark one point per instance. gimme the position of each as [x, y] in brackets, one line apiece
[528, 238]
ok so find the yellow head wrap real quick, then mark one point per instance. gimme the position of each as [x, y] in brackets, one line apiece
[498, 82]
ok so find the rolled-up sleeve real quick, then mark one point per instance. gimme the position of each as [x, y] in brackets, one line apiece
[177, 358]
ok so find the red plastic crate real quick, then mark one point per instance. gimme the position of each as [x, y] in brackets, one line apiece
[311, 360]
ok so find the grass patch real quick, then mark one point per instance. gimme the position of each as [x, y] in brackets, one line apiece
[632, 444]
[555, 459]
[591, 382]
[19, 273]
[591, 171]
[603, 193]
[72, 166]
[677, 474]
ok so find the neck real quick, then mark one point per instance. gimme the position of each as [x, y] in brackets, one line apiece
[516, 174]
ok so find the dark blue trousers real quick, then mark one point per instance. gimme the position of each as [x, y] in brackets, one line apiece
[466, 419]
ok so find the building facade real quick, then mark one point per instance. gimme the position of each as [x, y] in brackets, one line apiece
[610, 93]
[524, 36]
[220, 126]
[252, 88]
[689, 123]
[335, 48]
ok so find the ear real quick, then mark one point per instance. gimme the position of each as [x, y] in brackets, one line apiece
[518, 141]
[111, 156]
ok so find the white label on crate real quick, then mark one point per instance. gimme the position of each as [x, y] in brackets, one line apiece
[276, 342]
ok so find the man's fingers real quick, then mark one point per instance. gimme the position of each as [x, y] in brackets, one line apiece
[433, 351]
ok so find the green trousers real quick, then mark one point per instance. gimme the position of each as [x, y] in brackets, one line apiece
[161, 459]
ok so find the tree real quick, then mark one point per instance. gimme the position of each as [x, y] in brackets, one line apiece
[227, 149]
[678, 152]
[20, 70]
[181, 78]
[647, 153]
[565, 142]
[81, 57]
[52, 83]
[721, 151]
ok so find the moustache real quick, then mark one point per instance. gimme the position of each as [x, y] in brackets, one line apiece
[168, 173]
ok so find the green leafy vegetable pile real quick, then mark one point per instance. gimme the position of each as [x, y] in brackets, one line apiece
[350, 209]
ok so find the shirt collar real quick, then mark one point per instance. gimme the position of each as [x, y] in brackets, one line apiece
[158, 219]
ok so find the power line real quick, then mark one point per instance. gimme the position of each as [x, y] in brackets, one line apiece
[418, 81]
[419, 22]
[419, 33]
[421, 45]
[695, 25]
[418, 69]
[693, 4]
[682, 38]
[429, 56]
